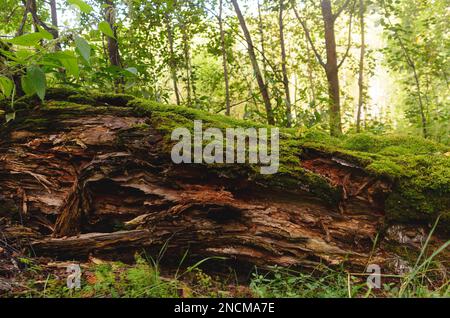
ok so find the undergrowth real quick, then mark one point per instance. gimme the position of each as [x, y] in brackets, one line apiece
[426, 278]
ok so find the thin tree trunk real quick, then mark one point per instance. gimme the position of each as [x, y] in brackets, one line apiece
[187, 66]
[310, 73]
[361, 66]
[284, 68]
[263, 42]
[331, 66]
[24, 18]
[310, 70]
[224, 60]
[54, 16]
[194, 88]
[331, 69]
[411, 64]
[421, 105]
[112, 43]
[251, 52]
[173, 70]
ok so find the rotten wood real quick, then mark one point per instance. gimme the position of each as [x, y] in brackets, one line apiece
[101, 183]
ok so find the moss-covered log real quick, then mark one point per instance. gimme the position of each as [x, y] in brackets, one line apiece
[86, 173]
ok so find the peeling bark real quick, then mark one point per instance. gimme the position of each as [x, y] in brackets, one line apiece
[100, 181]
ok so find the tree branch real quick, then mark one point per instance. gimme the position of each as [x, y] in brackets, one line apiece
[338, 13]
[24, 20]
[349, 37]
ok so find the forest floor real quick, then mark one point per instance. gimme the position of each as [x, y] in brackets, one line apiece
[145, 277]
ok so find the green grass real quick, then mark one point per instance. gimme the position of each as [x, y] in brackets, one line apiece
[427, 278]
[143, 279]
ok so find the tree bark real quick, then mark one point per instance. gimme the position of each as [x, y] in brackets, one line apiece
[101, 182]
[284, 68]
[412, 65]
[172, 64]
[331, 69]
[251, 52]
[112, 43]
[361, 66]
[187, 64]
[224, 60]
[263, 41]
[310, 73]
[54, 17]
[331, 66]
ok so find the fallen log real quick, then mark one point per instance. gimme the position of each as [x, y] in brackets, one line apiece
[91, 174]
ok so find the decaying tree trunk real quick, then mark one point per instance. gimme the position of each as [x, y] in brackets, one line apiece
[85, 175]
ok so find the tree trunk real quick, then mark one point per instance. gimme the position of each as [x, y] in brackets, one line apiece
[421, 104]
[112, 43]
[224, 60]
[310, 73]
[251, 52]
[172, 64]
[95, 177]
[262, 40]
[412, 65]
[187, 64]
[331, 69]
[54, 16]
[284, 68]
[361, 66]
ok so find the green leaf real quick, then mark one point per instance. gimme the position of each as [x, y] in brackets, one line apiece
[47, 35]
[34, 82]
[68, 60]
[106, 29]
[83, 48]
[37, 75]
[22, 56]
[6, 86]
[10, 116]
[30, 39]
[27, 85]
[71, 66]
[84, 7]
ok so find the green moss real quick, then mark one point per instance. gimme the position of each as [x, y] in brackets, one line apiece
[423, 191]
[81, 99]
[393, 145]
[386, 168]
[142, 126]
[72, 106]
